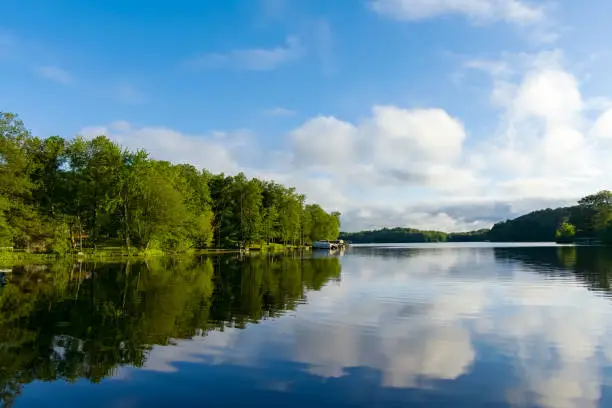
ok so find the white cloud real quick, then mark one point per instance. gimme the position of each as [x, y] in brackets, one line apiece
[325, 141]
[55, 74]
[402, 137]
[374, 217]
[414, 320]
[544, 147]
[425, 331]
[318, 189]
[222, 152]
[393, 149]
[558, 359]
[406, 348]
[603, 126]
[551, 146]
[216, 152]
[521, 13]
[410, 146]
[422, 168]
[551, 94]
[515, 11]
[256, 59]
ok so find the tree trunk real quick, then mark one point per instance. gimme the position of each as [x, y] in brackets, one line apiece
[126, 225]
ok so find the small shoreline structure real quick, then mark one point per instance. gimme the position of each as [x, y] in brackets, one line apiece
[586, 241]
[327, 245]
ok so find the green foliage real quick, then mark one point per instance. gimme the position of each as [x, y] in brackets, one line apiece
[6, 236]
[14, 165]
[60, 195]
[602, 199]
[60, 243]
[606, 234]
[320, 225]
[410, 235]
[247, 195]
[599, 207]
[565, 233]
[590, 219]
[538, 226]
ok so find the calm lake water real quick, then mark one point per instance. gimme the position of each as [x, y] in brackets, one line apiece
[378, 326]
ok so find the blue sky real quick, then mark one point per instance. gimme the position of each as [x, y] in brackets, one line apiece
[446, 114]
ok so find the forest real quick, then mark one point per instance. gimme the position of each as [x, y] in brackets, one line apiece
[410, 235]
[59, 195]
[590, 218]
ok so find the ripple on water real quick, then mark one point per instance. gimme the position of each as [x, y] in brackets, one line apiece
[438, 326]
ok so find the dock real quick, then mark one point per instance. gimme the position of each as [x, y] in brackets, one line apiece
[326, 244]
[588, 241]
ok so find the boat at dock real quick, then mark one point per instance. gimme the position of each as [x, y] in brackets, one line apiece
[325, 244]
[321, 245]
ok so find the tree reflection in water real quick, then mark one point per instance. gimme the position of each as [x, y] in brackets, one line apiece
[84, 320]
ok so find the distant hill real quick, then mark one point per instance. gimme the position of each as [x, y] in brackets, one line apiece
[410, 235]
[592, 217]
[537, 226]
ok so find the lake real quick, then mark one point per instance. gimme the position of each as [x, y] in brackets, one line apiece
[444, 325]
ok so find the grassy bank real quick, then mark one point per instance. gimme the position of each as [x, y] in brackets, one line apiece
[11, 258]
[18, 257]
[272, 247]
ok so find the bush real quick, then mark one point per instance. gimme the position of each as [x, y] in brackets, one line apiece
[60, 243]
[565, 233]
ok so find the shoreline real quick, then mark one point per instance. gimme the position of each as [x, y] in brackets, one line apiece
[17, 257]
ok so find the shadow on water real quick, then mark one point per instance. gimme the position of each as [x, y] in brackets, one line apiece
[590, 265]
[83, 321]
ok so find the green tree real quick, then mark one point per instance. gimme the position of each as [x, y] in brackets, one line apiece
[19, 217]
[158, 211]
[270, 224]
[6, 235]
[57, 195]
[289, 220]
[14, 165]
[95, 169]
[320, 224]
[193, 186]
[223, 204]
[248, 201]
[565, 233]
[599, 209]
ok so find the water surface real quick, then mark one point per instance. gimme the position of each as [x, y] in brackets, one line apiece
[387, 325]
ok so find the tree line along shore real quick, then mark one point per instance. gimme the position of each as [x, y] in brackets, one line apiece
[590, 221]
[63, 196]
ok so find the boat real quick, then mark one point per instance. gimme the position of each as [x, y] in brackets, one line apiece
[324, 244]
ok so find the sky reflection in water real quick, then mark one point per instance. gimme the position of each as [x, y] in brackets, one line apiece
[442, 327]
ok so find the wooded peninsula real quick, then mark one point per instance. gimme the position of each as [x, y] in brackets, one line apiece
[59, 196]
[588, 221]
